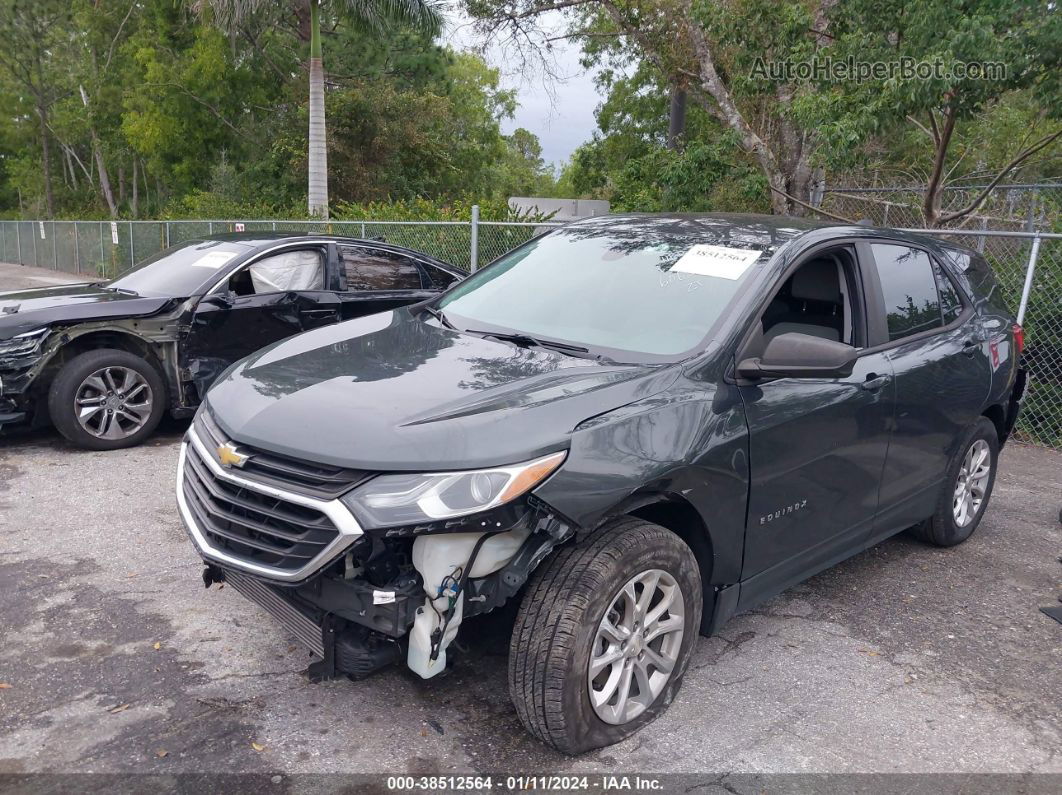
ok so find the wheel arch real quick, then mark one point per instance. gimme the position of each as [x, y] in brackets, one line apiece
[675, 513]
[73, 345]
[998, 416]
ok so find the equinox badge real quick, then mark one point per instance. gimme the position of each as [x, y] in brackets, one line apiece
[230, 457]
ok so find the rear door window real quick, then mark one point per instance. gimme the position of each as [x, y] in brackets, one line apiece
[909, 287]
[377, 269]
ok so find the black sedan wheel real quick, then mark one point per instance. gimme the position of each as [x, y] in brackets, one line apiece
[106, 400]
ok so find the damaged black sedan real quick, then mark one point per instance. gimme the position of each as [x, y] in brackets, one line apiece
[103, 362]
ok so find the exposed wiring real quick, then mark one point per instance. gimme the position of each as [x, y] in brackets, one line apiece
[459, 576]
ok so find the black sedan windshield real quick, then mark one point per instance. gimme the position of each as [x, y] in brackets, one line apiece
[179, 271]
[606, 288]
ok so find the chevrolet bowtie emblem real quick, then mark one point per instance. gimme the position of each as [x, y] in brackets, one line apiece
[230, 457]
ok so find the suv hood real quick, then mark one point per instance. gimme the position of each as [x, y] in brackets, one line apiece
[25, 310]
[395, 391]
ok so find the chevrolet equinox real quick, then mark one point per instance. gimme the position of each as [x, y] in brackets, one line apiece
[635, 426]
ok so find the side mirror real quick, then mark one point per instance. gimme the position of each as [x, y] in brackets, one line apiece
[801, 356]
[222, 300]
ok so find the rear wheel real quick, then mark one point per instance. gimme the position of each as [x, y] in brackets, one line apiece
[604, 635]
[966, 490]
[107, 399]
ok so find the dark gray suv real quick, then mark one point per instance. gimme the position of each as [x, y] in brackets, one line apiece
[635, 426]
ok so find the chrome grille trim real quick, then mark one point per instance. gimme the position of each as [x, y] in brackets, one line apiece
[319, 481]
[304, 628]
[347, 526]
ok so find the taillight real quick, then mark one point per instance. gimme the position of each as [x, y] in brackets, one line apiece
[1019, 339]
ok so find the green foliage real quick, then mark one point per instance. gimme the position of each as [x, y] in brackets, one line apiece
[1020, 38]
[216, 122]
[628, 161]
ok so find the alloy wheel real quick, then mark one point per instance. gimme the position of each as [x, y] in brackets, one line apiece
[636, 647]
[972, 482]
[113, 403]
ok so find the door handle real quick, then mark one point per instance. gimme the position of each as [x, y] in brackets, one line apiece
[875, 382]
[970, 347]
[318, 311]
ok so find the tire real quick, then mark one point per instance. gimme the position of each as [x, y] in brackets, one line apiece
[943, 528]
[120, 420]
[557, 630]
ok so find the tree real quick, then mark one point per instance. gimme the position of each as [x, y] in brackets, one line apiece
[713, 46]
[374, 15]
[963, 63]
[31, 41]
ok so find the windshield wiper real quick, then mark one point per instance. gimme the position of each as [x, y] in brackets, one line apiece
[527, 341]
[437, 313]
[123, 290]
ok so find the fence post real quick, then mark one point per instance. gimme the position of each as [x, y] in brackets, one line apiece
[77, 251]
[55, 249]
[1030, 270]
[36, 261]
[132, 260]
[166, 226]
[103, 256]
[475, 237]
[18, 236]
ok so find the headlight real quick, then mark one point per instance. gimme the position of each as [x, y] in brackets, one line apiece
[26, 342]
[390, 500]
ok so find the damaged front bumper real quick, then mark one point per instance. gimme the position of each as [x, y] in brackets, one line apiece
[20, 360]
[358, 600]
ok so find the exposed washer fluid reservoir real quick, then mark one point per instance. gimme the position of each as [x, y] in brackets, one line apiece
[438, 557]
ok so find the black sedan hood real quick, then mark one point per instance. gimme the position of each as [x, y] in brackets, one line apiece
[394, 391]
[25, 310]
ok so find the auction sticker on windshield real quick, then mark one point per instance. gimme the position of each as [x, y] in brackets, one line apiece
[719, 261]
[213, 260]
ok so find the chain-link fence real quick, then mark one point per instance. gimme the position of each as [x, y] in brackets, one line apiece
[1019, 207]
[103, 249]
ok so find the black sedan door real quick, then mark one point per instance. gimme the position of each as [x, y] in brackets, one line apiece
[266, 300]
[377, 279]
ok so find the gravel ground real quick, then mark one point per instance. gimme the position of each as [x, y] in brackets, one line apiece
[115, 659]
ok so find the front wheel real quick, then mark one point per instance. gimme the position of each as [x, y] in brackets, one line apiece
[603, 636]
[107, 399]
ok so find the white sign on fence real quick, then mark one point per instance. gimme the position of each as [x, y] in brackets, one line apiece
[114, 232]
[239, 227]
[42, 229]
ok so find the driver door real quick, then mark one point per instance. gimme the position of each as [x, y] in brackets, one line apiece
[817, 446]
[268, 299]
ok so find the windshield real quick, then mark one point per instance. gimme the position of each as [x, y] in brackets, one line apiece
[620, 289]
[179, 271]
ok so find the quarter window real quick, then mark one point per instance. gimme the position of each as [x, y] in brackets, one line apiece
[950, 303]
[375, 269]
[909, 287]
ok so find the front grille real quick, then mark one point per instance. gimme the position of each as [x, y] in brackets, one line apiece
[250, 526]
[314, 480]
[303, 627]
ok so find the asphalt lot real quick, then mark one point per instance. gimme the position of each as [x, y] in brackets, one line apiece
[116, 659]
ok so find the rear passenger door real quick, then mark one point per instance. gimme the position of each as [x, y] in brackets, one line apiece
[926, 326]
[376, 280]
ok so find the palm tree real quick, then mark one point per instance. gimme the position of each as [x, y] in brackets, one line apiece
[373, 15]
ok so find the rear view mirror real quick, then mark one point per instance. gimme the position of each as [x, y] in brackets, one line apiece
[795, 355]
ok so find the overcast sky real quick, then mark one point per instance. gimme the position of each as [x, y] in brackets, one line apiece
[559, 112]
